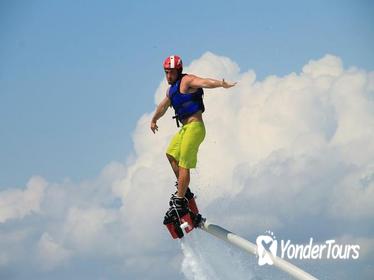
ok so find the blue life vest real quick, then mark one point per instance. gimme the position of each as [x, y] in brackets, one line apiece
[185, 104]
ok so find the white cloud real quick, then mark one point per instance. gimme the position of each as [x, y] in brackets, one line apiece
[50, 253]
[329, 65]
[279, 154]
[85, 228]
[16, 204]
[353, 198]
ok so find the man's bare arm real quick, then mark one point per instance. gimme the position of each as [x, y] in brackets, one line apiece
[197, 82]
[160, 111]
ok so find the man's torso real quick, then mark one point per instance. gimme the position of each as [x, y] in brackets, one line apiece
[184, 88]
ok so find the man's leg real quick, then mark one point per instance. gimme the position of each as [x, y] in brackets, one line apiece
[174, 165]
[185, 173]
[192, 138]
[183, 181]
[178, 203]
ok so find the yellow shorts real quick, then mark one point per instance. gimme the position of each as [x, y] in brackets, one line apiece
[185, 144]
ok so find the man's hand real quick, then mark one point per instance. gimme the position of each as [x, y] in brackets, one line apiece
[154, 127]
[226, 84]
[160, 111]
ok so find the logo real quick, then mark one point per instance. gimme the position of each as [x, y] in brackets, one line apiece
[267, 247]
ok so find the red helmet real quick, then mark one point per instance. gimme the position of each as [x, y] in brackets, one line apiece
[173, 62]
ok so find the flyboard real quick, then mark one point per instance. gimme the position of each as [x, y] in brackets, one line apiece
[179, 225]
[185, 224]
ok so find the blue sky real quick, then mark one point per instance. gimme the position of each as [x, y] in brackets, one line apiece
[76, 75]
[78, 84]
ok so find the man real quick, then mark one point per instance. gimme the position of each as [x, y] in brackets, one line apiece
[185, 95]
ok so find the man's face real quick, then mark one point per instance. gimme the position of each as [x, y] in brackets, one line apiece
[171, 75]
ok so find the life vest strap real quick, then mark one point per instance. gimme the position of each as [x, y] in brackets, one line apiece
[177, 120]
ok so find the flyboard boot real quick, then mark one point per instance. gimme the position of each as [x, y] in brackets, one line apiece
[183, 215]
[191, 200]
[194, 211]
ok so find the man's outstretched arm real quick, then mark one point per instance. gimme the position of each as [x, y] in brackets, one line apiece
[197, 82]
[160, 111]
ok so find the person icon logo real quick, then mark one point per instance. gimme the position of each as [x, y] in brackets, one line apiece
[267, 246]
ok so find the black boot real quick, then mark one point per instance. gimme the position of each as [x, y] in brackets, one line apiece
[178, 204]
[189, 195]
[178, 208]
